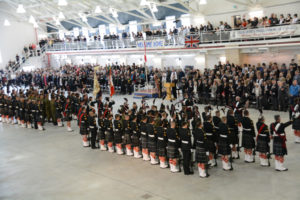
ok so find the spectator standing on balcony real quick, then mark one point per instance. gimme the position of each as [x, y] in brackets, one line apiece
[281, 19]
[254, 22]
[209, 26]
[273, 20]
[221, 26]
[192, 29]
[288, 20]
[244, 23]
[295, 19]
[227, 27]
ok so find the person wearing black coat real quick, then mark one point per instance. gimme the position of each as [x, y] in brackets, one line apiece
[186, 147]
[161, 144]
[296, 121]
[224, 144]
[118, 134]
[202, 150]
[211, 140]
[93, 128]
[152, 141]
[279, 142]
[248, 138]
[262, 139]
[144, 138]
[135, 130]
[172, 150]
[233, 137]
[83, 126]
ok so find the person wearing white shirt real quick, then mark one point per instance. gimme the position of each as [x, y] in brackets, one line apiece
[295, 19]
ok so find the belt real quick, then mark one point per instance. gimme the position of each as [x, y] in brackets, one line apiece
[223, 136]
[185, 142]
[282, 134]
[209, 134]
[143, 133]
[264, 135]
[200, 142]
[231, 128]
[151, 136]
[116, 129]
[134, 131]
[216, 127]
[160, 138]
[170, 140]
[92, 126]
[247, 129]
[108, 129]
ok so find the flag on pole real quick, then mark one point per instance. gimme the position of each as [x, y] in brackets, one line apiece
[111, 84]
[96, 83]
[145, 56]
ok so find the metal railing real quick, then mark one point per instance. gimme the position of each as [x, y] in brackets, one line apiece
[264, 33]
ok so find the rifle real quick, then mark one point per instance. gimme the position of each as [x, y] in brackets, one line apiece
[231, 160]
[206, 169]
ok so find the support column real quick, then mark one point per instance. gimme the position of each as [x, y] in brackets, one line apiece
[233, 56]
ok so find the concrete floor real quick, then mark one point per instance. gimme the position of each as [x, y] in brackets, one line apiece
[54, 165]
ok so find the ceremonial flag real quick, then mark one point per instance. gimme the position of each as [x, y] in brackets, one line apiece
[96, 83]
[192, 41]
[145, 56]
[111, 84]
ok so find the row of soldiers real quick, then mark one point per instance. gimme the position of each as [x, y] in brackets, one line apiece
[163, 136]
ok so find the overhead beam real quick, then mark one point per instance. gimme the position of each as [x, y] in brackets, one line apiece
[186, 6]
[172, 7]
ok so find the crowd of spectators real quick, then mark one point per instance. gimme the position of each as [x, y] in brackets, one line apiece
[266, 86]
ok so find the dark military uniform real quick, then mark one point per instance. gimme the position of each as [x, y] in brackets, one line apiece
[161, 141]
[152, 138]
[233, 127]
[186, 145]
[279, 142]
[201, 145]
[224, 143]
[135, 134]
[93, 130]
[211, 136]
[118, 132]
[68, 112]
[263, 138]
[248, 141]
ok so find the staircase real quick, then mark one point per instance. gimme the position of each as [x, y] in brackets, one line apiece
[33, 63]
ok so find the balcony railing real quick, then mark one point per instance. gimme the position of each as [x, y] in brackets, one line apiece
[266, 33]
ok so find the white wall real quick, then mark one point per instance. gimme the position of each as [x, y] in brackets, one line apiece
[13, 39]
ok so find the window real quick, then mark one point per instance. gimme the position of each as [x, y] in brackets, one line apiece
[76, 32]
[85, 32]
[112, 29]
[170, 23]
[133, 27]
[186, 20]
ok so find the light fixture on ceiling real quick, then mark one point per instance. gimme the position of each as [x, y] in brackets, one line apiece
[31, 19]
[153, 7]
[144, 3]
[6, 22]
[21, 9]
[62, 2]
[202, 2]
[61, 15]
[114, 12]
[98, 10]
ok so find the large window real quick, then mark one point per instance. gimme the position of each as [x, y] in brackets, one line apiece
[186, 20]
[112, 29]
[76, 32]
[170, 23]
[133, 27]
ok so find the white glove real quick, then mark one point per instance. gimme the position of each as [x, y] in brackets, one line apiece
[207, 153]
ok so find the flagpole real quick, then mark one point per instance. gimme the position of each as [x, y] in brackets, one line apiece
[145, 61]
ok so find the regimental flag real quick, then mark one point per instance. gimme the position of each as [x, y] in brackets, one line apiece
[192, 41]
[96, 83]
[145, 55]
[111, 84]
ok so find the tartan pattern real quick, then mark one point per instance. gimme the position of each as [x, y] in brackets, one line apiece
[144, 142]
[201, 156]
[172, 152]
[248, 141]
[223, 147]
[262, 146]
[278, 150]
[152, 147]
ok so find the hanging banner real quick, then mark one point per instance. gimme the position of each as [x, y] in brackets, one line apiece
[266, 32]
[150, 44]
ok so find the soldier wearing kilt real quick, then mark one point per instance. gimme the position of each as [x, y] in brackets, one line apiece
[161, 144]
[10, 110]
[118, 134]
[68, 114]
[17, 110]
[127, 135]
[172, 147]
[234, 132]
[83, 126]
[248, 138]
[296, 122]
[262, 139]
[58, 111]
[109, 132]
[93, 127]
[28, 114]
[211, 141]
[135, 130]
[216, 121]
[144, 139]
[39, 115]
[186, 146]
[152, 141]
[34, 116]
[279, 142]
[101, 131]
[2, 107]
[224, 144]
[22, 112]
[201, 145]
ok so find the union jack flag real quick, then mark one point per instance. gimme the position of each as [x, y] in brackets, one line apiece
[192, 41]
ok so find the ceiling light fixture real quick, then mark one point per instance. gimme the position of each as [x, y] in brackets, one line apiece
[98, 10]
[62, 2]
[6, 22]
[21, 9]
[114, 12]
[144, 3]
[61, 15]
[31, 19]
[153, 7]
[202, 2]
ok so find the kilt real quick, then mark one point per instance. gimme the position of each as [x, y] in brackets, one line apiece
[68, 117]
[223, 147]
[109, 136]
[297, 133]
[101, 134]
[127, 139]
[1, 111]
[22, 115]
[83, 131]
[201, 156]
[278, 150]
[118, 137]
[11, 113]
[233, 138]
[211, 146]
[262, 146]
[135, 141]
[27, 117]
[17, 113]
[172, 151]
[152, 145]
[248, 141]
[58, 115]
[39, 118]
[162, 151]
[144, 142]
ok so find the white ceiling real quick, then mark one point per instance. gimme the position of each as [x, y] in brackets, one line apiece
[46, 10]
